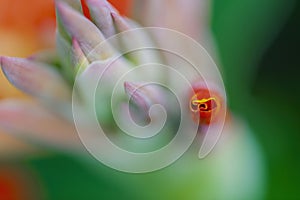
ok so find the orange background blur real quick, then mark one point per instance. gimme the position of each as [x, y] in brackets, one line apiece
[27, 26]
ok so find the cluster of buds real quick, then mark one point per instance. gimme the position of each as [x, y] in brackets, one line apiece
[50, 77]
[84, 68]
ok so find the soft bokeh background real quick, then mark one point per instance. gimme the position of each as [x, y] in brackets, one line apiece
[258, 46]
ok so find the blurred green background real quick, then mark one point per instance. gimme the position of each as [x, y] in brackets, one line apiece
[259, 50]
[258, 43]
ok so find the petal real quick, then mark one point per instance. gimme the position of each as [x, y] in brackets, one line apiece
[138, 95]
[144, 95]
[85, 32]
[101, 15]
[142, 98]
[188, 16]
[120, 22]
[142, 41]
[79, 61]
[35, 78]
[34, 123]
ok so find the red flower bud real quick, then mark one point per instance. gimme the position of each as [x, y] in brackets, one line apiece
[205, 104]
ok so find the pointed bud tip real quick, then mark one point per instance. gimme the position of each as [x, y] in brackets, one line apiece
[102, 3]
[4, 60]
[130, 88]
[65, 12]
[120, 23]
[137, 95]
[85, 31]
[62, 8]
[76, 47]
[7, 62]
[2, 64]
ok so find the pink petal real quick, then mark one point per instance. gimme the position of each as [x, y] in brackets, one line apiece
[35, 78]
[120, 22]
[79, 61]
[85, 32]
[145, 95]
[141, 38]
[101, 14]
[34, 123]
